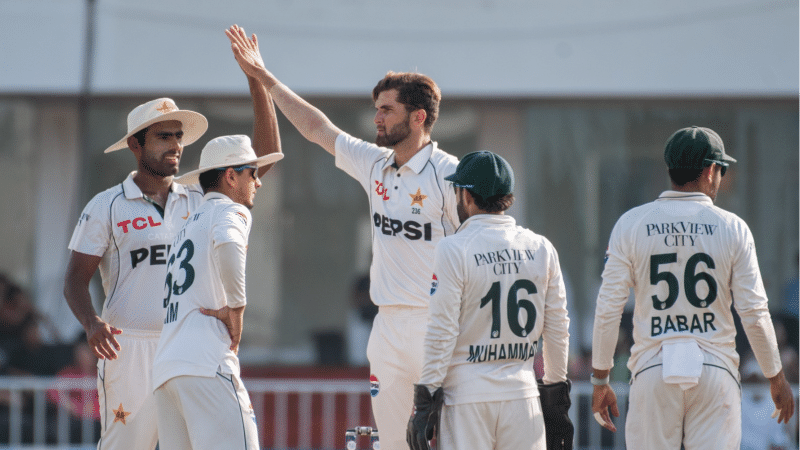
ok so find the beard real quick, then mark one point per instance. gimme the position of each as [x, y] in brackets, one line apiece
[159, 168]
[396, 135]
[462, 211]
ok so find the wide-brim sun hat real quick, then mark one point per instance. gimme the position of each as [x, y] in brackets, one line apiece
[160, 110]
[227, 151]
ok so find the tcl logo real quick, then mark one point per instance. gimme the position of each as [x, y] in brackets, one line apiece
[381, 190]
[139, 223]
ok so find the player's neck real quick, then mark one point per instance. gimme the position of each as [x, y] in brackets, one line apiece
[406, 149]
[154, 186]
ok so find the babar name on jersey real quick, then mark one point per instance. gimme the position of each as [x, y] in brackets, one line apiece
[507, 261]
[680, 234]
[522, 351]
[678, 323]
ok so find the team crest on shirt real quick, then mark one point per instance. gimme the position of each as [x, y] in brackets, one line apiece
[416, 199]
[434, 284]
[374, 385]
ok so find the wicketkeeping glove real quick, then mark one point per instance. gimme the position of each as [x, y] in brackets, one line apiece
[558, 427]
[424, 422]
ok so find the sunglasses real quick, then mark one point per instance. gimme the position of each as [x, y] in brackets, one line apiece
[711, 162]
[254, 174]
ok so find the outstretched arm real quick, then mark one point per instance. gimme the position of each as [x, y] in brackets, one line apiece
[308, 120]
[266, 138]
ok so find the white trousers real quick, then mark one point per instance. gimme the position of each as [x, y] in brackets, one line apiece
[507, 425]
[662, 416]
[395, 353]
[204, 413]
[125, 393]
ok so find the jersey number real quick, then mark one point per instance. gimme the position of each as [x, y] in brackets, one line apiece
[690, 279]
[512, 308]
[175, 288]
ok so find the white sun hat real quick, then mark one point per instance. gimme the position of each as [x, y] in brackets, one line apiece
[159, 110]
[227, 151]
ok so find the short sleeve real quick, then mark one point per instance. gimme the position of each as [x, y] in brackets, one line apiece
[233, 225]
[92, 234]
[357, 157]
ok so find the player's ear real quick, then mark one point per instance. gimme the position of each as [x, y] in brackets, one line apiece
[708, 173]
[133, 144]
[230, 177]
[419, 117]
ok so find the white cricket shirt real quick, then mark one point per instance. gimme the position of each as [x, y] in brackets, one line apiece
[497, 290]
[412, 208]
[133, 236]
[192, 343]
[686, 260]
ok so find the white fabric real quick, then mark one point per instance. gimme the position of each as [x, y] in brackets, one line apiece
[125, 387]
[684, 228]
[127, 230]
[202, 413]
[683, 363]
[705, 417]
[394, 351]
[510, 425]
[192, 343]
[232, 260]
[405, 229]
[489, 264]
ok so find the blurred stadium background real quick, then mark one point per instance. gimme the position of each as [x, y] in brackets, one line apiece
[580, 98]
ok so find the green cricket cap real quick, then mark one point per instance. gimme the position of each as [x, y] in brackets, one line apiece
[483, 173]
[694, 148]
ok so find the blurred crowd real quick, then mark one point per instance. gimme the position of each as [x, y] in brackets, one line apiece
[24, 352]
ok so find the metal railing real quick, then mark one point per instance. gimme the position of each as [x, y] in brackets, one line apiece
[291, 413]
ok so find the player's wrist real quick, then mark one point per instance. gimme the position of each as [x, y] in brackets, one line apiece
[599, 381]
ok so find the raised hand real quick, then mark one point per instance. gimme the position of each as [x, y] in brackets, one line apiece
[246, 51]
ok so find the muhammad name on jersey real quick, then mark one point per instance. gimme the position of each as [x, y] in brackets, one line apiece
[496, 352]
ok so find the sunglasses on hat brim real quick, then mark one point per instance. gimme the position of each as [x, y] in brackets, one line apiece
[722, 164]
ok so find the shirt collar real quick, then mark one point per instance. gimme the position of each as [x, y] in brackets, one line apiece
[417, 162]
[216, 195]
[132, 190]
[686, 196]
[487, 220]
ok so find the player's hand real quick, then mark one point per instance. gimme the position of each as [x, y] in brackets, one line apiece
[246, 51]
[100, 337]
[782, 397]
[603, 400]
[422, 426]
[232, 318]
